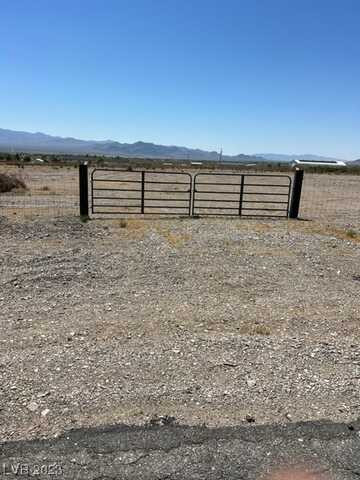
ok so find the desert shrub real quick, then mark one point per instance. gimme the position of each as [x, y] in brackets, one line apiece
[351, 233]
[261, 330]
[10, 182]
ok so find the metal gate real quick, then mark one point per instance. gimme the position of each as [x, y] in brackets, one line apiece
[245, 195]
[140, 192]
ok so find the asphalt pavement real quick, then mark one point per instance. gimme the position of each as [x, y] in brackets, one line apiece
[173, 452]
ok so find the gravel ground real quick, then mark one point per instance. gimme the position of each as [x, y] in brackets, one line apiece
[210, 321]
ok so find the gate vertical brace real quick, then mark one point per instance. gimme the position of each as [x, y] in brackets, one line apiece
[190, 196]
[83, 190]
[92, 191]
[142, 191]
[193, 184]
[241, 194]
[296, 194]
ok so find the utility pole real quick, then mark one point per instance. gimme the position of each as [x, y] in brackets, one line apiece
[220, 155]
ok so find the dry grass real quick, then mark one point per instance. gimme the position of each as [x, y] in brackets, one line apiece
[326, 230]
[260, 329]
[131, 228]
[175, 240]
[137, 228]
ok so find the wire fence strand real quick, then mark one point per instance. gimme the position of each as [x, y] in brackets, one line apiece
[330, 198]
[51, 191]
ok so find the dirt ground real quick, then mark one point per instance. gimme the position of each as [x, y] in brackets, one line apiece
[215, 321]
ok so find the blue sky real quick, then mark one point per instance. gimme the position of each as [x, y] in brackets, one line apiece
[248, 75]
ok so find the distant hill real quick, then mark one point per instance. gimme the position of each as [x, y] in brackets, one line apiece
[16, 141]
[278, 157]
[357, 162]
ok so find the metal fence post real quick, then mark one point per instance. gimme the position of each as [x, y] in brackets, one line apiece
[296, 194]
[83, 190]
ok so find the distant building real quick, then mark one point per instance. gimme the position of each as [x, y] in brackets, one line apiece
[318, 163]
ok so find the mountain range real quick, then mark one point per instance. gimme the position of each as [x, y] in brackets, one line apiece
[17, 141]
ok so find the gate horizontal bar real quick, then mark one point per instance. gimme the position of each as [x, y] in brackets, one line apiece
[217, 200]
[264, 201]
[138, 213]
[166, 213]
[266, 193]
[220, 174]
[115, 180]
[116, 189]
[220, 184]
[169, 199]
[139, 198]
[265, 216]
[265, 185]
[167, 191]
[216, 208]
[237, 215]
[115, 212]
[219, 191]
[147, 171]
[167, 183]
[266, 209]
[115, 198]
[166, 206]
[245, 184]
[115, 205]
[213, 200]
